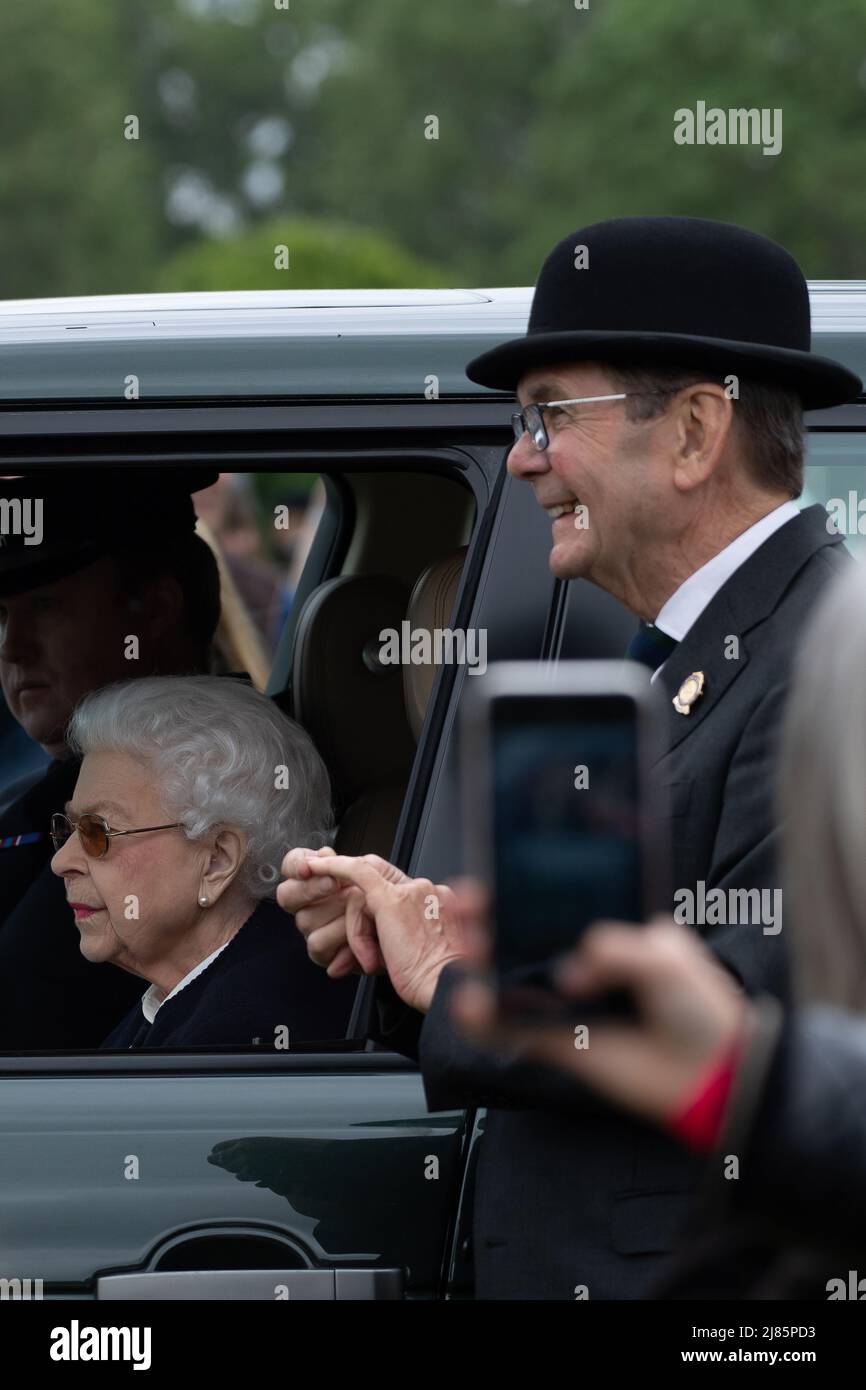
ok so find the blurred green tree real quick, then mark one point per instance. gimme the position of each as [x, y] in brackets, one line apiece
[319, 255]
[545, 117]
[552, 117]
[640, 63]
[77, 196]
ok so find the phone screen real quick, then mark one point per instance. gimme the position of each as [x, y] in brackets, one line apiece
[566, 822]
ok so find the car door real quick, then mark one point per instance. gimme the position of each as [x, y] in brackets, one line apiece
[319, 1177]
[316, 1174]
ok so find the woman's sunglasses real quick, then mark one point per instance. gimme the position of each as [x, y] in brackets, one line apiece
[94, 832]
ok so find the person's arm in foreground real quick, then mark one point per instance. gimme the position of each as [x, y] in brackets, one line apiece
[727, 1076]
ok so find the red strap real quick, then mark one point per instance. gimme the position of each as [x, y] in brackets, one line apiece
[698, 1122]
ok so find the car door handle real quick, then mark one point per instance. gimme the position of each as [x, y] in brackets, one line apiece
[268, 1284]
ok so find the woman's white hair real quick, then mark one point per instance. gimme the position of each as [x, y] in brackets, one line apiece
[222, 755]
[823, 801]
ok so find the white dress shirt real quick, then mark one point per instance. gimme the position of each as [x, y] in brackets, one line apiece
[687, 603]
[153, 999]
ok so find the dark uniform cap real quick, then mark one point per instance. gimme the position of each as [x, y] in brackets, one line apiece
[53, 523]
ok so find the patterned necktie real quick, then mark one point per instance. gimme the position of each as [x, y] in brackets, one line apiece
[650, 646]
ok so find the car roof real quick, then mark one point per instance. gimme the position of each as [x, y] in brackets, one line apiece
[299, 343]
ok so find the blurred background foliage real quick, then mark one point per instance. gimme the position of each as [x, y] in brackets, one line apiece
[302, 123]
[313, 248]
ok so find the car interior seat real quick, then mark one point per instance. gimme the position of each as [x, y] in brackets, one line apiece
[364, 715]
[430, 607]
[352, 705]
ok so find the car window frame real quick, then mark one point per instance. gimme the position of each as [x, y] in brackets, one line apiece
[394, 435]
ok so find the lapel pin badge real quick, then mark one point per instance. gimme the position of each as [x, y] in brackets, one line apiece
[691, 690]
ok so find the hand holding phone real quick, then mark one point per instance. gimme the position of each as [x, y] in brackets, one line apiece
[563, 819]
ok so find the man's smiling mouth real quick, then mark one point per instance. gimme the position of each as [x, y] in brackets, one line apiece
[558, 509]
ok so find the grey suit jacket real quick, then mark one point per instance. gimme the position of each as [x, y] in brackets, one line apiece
[569, 1192]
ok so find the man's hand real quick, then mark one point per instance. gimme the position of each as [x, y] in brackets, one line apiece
[318, 905]
[406, 925]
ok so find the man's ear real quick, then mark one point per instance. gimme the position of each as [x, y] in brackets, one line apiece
[703, 423]
[159, 606]
[223, 863]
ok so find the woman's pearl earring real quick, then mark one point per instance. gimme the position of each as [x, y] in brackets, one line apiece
[202, 902]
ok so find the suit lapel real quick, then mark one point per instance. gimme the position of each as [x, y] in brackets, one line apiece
[716, 643]
[702, 649]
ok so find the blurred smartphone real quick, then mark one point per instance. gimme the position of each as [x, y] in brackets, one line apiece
[562, 816]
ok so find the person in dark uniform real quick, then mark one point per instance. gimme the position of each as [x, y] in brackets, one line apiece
[98, 583]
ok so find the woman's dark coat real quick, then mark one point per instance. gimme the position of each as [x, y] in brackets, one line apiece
[262, 982]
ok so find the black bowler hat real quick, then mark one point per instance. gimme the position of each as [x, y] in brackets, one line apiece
[673, 291]
[53, 523]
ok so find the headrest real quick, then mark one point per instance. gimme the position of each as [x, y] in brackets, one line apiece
[347, 700]
[430, 606]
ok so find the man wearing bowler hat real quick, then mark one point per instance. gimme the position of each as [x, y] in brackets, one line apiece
[111, 584]
[661, 384]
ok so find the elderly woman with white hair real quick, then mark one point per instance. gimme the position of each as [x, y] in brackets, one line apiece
[189, 790]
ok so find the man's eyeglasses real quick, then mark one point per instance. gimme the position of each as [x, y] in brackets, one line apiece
[94, 832]
[530, 420]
